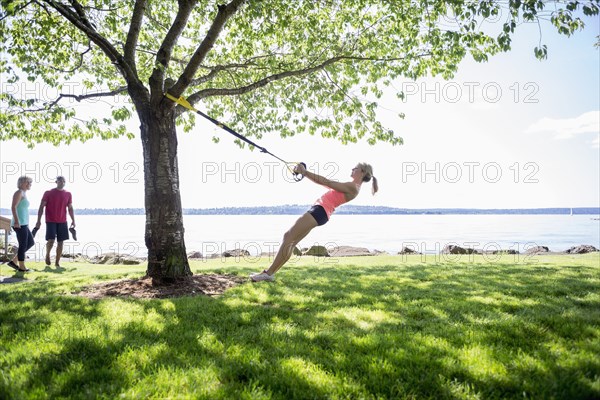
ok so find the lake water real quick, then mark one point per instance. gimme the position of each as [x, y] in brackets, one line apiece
[211, 234]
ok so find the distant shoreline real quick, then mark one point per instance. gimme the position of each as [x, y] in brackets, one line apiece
[345, 209]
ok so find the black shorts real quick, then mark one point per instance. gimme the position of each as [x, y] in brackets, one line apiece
[319, 214]
[57, 230]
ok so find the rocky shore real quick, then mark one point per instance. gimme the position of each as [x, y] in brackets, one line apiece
[351, 251]
[317, 251]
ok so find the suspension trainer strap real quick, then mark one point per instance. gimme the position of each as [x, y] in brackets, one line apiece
[184, 103]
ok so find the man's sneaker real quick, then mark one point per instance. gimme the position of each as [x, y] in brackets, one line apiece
[263, 276]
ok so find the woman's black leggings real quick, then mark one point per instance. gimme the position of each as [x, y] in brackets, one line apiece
[25, 239]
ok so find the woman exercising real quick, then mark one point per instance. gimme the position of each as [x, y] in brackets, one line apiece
[319, 213]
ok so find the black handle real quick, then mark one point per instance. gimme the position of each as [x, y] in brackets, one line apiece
[298, 177]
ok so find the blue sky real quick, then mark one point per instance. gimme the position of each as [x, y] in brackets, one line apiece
[514, 132]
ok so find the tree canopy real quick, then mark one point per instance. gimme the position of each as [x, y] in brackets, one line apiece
[287, 66]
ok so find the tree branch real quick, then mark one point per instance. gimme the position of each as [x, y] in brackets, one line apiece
[5, 15]
[166, 48]
[81, 12]
[224, 13]
[80, 21]
[215, 68]
[102, 9]
[79, 98]
[194, 98]
[134, 33]
[77, 66]
[218, 68]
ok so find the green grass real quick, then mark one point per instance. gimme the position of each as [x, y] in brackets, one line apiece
[365, 327]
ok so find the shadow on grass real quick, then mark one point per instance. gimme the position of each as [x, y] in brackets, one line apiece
[56, 270]
[353, 332]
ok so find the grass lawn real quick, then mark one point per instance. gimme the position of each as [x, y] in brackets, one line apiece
[388, 327]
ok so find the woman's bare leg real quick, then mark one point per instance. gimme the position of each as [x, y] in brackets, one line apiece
[291, 238]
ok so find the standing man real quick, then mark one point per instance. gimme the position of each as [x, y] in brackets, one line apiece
[56, 202]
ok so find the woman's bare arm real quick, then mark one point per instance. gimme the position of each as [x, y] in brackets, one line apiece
[348, 188]
[15, 202]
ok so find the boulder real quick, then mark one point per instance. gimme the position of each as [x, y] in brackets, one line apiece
[582, 249]
[538, 249]
[408, 250]
[236, 253]
[107, 258]
[114, 258]
[509, 251]
[194, 254]
[349, 251]
[454, 249]
[380, 252]
[73, 256]
[129, 260]
[319, 251]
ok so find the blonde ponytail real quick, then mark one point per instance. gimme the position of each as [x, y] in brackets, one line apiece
[368, 171]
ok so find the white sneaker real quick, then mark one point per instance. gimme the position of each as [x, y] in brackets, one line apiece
[263, 276]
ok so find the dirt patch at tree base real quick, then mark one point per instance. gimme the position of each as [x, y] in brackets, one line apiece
[142, 288]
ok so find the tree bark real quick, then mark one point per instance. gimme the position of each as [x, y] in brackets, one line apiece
[164, 235]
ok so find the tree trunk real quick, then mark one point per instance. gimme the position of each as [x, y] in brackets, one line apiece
[164, 236]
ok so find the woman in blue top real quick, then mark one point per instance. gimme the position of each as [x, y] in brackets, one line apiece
[20, 223]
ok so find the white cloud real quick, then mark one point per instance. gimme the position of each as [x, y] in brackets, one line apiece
[596, 142]
[567, 128]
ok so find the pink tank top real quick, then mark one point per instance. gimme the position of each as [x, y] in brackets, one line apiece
[331, 200]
